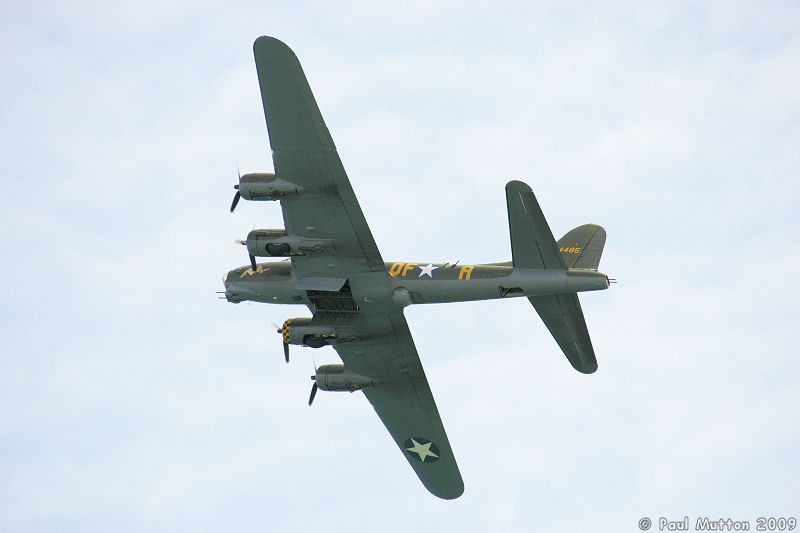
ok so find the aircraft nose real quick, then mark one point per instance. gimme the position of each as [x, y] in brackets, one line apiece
[233, 292]
[227, 285]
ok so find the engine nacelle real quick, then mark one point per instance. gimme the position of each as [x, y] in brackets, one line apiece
[265, 186]
[278, 243]
[339, 378]
[300, 331]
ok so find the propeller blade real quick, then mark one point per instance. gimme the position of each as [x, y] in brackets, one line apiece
[286, 351]
[313, 393]
[253, 262]
[235, 200]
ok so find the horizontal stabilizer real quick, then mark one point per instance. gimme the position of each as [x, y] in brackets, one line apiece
[583, 246]
[532, 242]
[533, 247]
[563, 316]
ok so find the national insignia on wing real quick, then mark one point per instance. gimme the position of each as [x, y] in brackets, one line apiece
[422, 449]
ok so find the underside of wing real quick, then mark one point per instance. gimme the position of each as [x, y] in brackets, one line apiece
[563, 316]
[532, 242]
[404, 402]
[303, 153]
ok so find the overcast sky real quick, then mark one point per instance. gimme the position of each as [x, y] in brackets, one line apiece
[131, 399]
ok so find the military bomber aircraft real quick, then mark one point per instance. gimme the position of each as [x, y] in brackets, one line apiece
[357, 299]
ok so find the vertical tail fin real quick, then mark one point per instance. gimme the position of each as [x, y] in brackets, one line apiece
[583, 246]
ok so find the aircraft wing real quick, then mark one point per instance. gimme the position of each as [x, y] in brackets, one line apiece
[303, 153]
[403, 399]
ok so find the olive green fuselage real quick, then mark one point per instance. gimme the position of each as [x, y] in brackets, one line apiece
[404, 283]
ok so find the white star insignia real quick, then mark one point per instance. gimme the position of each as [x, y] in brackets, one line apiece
[427, 270]
[423, 450]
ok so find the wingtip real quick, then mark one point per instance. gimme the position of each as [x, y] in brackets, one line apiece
[264, 39]
[516, 185]
[266, 42]
[451, 493]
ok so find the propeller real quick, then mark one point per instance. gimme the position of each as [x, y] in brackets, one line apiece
[235, 198]
[244, 243]
[237, 195]
[285, 344]
[314, 388]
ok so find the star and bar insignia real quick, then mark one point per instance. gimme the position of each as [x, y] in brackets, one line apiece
[427, 270]
[422, 449]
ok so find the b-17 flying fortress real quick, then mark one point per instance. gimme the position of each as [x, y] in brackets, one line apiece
[357, 299]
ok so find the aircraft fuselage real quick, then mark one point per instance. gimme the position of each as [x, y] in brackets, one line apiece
[414, 283]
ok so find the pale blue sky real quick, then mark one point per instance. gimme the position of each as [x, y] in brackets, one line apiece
[132, 400]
